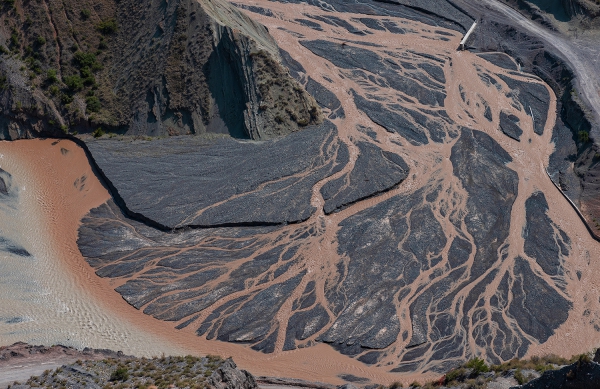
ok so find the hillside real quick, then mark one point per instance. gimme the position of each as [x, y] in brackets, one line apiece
[152, 69]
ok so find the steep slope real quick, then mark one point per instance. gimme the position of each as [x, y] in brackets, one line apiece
[157, 68]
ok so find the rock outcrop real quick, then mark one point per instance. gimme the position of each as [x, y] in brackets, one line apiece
[157, 69]
[582, 374]
[98, 369]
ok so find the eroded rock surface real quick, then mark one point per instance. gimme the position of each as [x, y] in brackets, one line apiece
[409, 232]
[224, 181]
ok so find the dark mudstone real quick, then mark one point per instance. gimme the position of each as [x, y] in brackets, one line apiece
[252, 321]
[544, 240]
[296, 69]
[335, 21]
[509, 124]
[390, 120]
[304, 324]
[309, 23]
[500, 59]
[436, 13]
[375, 171]
[325, 98]
[353, 378]
[11, 247]
[534, 98]
[5, 182]
[536, 306]
[187, 181]
[415, 83]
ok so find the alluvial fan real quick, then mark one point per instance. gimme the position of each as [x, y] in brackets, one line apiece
[413, 229]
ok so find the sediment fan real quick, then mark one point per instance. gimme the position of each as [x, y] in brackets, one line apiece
[411, 230]
[408, 222]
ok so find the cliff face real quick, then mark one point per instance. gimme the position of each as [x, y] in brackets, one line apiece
[157, 68]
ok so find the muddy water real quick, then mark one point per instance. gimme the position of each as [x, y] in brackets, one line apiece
[54, 296]
[47, 297]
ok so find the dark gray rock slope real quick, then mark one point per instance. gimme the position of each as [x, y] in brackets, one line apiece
[285, 243]
[207, 183]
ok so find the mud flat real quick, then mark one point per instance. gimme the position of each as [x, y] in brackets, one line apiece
[52, 296]
[49, 296]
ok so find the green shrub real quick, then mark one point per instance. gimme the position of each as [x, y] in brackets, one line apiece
[396, 385]
[66, 98]
[14, 39]
[93, 104]
[85, 14]
[584, 136]
[456, 374]
[415, 384]
[478, 365]
[121, 373]
[74, 83]
[520, 377]
[108, 26]
[84, 60]
[51, 77]
[98, 132]
[40, 40]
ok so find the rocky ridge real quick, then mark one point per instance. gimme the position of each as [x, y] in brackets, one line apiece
[115, 370]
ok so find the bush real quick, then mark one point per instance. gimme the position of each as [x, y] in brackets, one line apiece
[40, 40]
[584, 136]
[98, 132]
[74, 83]
[121, 373]
[108, 26]
[84, 60]
[456, 374]
[85, 14]
[478, 365]
[66, 98]
[93, 104]
[51, 76]
[396, 385]
[520, 377]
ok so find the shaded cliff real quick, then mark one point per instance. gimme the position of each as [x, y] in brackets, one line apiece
[157, 68]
